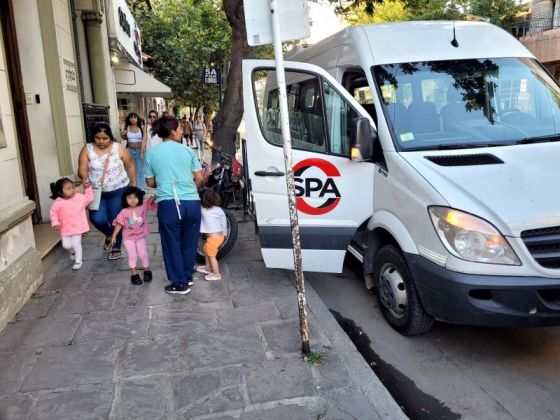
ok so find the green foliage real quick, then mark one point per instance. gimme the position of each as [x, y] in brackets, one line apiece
[388, 11]
[184, 37]
[498, 11]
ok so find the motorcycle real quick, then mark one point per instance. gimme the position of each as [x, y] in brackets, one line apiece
[226, 178]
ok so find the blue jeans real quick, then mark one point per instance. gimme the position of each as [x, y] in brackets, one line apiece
[179, 238]
[139, 165]
[200, 146]
[109, 208]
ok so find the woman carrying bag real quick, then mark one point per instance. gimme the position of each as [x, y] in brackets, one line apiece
[108, 167]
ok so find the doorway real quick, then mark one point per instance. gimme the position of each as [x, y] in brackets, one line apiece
[21, 120]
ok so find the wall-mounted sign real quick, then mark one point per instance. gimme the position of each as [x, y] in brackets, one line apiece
[126, 32]
[211, 76]
[69, 75]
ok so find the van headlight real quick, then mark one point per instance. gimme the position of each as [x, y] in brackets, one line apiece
[471, 238]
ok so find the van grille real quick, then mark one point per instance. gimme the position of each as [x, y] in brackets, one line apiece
[544, 245]
[465, 160]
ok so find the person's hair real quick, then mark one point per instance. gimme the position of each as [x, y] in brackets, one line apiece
[101, 128]
[130, 190]
[153, 112]
[139, 124]
[56, 187]
[164, 125]
[210, 198]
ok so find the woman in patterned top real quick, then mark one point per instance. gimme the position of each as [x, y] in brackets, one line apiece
[107, 165]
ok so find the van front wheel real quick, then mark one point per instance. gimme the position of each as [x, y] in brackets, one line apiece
[397, 294]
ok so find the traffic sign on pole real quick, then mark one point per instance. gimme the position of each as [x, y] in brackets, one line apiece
[263, 27]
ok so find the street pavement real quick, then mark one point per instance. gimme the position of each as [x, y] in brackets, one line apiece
[452, 371]
[89, 345]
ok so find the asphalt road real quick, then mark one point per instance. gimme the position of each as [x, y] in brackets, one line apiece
[452, 371]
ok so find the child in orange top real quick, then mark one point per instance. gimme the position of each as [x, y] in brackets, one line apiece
[214, 227]
[68, 215]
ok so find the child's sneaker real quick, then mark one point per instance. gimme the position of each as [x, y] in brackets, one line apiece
[213, 277]
[135, 279]
[77, 266]
[147, 276]
[202, 269]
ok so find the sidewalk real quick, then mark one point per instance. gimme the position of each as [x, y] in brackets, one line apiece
[89, 345]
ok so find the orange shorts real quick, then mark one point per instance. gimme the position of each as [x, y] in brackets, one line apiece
[212, 245]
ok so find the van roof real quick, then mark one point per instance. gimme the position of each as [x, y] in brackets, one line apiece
[405, 42]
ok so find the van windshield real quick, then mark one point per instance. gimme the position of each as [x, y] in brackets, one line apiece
[469, 103]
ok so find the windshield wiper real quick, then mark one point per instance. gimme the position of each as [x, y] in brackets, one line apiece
[460, 146]
[540, 139]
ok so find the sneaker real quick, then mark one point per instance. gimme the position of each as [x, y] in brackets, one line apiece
[173, 289]
[77, 266]
[190, 282]
[147, 276]
[135, 279]
[202, 269]
[213, 277]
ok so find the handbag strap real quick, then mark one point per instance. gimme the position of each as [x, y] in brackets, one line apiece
[105, 166]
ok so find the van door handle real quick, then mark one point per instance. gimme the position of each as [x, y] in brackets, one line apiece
[269, 173]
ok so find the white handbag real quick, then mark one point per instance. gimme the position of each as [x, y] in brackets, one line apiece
[94, 205]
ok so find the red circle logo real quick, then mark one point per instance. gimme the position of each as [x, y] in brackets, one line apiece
[323, 188]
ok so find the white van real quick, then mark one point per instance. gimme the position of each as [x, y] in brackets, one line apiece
[434, 161]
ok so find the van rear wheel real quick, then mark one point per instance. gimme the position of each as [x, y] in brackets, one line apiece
[397, 294]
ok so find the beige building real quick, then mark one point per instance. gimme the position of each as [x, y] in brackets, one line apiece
[57, 80]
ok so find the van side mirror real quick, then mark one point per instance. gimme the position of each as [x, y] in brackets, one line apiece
[362, 137]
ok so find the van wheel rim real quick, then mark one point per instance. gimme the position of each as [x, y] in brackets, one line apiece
[392, 290]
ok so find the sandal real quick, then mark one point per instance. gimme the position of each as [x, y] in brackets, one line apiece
[115, 254]
[107, 244]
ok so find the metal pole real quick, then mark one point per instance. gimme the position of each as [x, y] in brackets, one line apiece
[281, 79]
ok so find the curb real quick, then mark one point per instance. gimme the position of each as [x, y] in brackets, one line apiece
[385, 406]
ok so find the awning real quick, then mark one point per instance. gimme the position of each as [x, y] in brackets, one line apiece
[130, 79]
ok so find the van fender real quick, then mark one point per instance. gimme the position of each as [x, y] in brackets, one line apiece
[390, 225]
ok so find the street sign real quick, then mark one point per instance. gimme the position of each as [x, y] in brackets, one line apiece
[263, 18]
[294, 15]
[211, 76]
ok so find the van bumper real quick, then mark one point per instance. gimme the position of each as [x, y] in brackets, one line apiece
[483, 300]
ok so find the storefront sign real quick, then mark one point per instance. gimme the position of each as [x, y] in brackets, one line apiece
[126, 31]
[69, 75]
[211, 76]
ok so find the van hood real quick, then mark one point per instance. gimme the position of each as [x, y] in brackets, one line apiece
[521, 193]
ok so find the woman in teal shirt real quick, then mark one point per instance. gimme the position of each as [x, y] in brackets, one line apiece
[175, 171]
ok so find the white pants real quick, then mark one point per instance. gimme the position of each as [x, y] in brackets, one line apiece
[73, 243]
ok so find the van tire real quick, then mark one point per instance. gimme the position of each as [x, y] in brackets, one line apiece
[397, 293]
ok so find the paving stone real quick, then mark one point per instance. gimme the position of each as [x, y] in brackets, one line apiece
[209, 392]
[148, 295]
[258, 269]
[235, 269]
[283, 412]
[331, 372]
[284, 337]
[163, 353]
[78, 364]
[116, 279]
[14, 366]
[87, 402]
[275, 380]
[246, 296]
[348, 406]
[67, 280]
[224, 347]
[32, 333]
[288, 307]
[15, 407]
[188, 317]
[113, 324]
[248, 314]
[37, 306]
[82, 301]
[141, 399]
[209, 291]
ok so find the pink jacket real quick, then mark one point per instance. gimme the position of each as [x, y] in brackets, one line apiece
[70, 214]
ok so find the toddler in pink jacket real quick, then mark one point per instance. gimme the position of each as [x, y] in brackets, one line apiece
[68, 215]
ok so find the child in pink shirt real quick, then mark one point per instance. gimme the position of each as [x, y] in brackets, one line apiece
[68, 215]
[133, 221]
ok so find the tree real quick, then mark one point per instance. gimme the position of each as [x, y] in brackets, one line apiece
[499, 12]
[388, 11]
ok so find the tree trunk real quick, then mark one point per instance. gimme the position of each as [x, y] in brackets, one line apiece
[229, 116]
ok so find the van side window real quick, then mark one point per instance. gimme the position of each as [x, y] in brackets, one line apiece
[355, 82]
[305, 109]
[339, 120]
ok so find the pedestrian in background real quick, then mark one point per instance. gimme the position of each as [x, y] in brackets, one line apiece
[133, 222]
[108, 166]
[135, 137]
[200, 132]
[152, 138]
[175, 171]
[187, 130]
[214, 229]
[68, 216]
